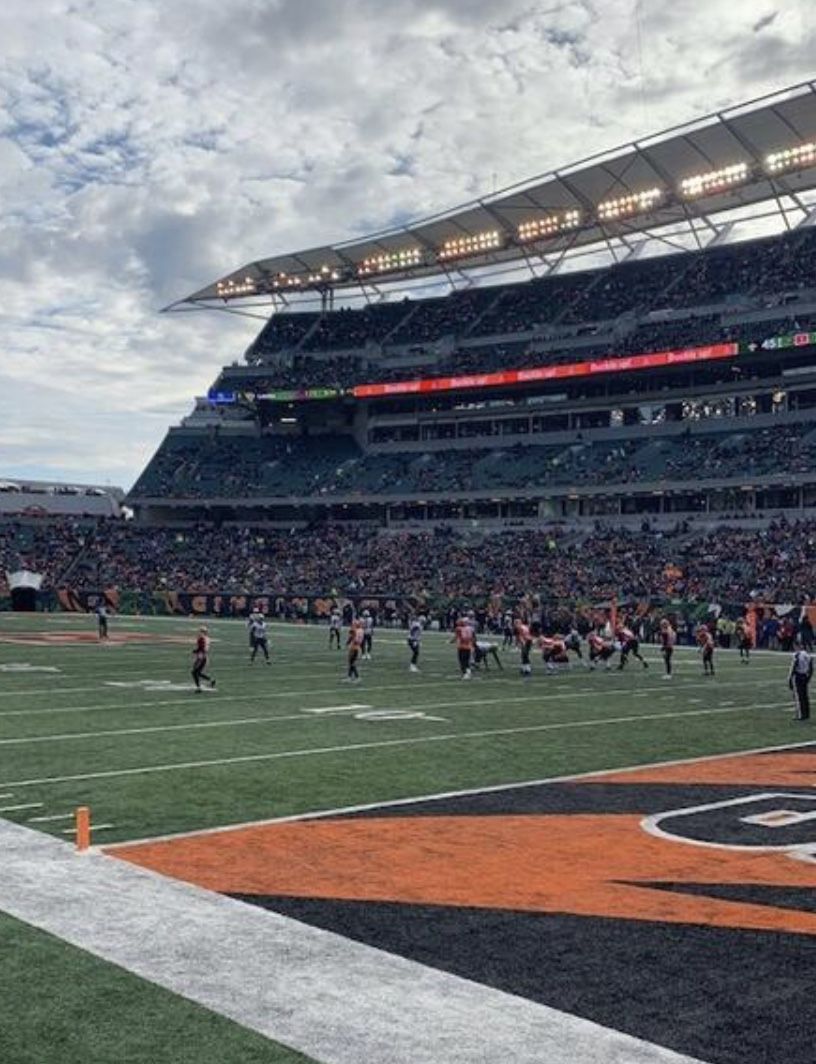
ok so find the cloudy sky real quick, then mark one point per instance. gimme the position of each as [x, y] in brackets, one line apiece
[147, 147]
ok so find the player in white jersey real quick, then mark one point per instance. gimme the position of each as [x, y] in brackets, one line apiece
[414, 642]
[483, 650]
[368, 635]
[102, 620]
[258, 639]
[335, 627]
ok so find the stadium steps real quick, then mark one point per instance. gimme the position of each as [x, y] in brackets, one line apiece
[304, 339]
[401, 323]
[583, 294]
[665, 293]
[487, 310]
[82, 555]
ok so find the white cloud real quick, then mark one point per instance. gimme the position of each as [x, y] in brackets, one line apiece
[146, 148]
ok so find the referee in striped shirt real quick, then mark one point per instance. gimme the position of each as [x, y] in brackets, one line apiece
[799, 677]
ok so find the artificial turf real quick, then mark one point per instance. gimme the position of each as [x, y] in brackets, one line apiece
[280, 740]
[61, 1005]
[287, 739]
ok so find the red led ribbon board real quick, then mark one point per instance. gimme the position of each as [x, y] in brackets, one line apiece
[546, 373]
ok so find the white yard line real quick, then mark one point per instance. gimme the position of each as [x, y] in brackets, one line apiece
[229, 723]
[17, 808]
[422, 685]
[49, 817]
[316, 712]
[283, 664]
[468, 792]
[94, 827]
[379, 744]
[253, 696]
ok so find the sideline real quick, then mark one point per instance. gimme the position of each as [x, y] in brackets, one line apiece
[334, 999]
[468, 792]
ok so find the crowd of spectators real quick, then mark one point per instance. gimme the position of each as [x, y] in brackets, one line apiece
[283, 332]
[778, 449]
[754, 274]
[346, 328]
[228, 466]
[48, 546]
[776, 564]
[343, 371]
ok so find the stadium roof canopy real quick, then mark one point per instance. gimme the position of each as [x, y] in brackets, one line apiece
[683, 182]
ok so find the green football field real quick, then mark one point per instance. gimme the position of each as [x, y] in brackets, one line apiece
[117, 727]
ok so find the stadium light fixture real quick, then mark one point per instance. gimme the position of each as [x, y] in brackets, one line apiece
[464, 246]
[548, 225]
[231, 287]
[292, 280]
[796, 158]
[635, 203]
[403, 259]
[712, 181]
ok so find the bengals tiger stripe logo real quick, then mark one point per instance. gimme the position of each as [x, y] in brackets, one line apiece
[738, 821]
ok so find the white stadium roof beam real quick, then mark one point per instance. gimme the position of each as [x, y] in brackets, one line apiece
[769, 139]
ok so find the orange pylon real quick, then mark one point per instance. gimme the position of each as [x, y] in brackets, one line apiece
[83, 827]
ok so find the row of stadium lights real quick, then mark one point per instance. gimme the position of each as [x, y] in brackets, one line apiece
[641, 202]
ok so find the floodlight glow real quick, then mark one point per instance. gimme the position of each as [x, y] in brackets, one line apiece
[464, 246]
[715, 180]
[231, 287]
[634, 203]
[296, 280]
[548, 225]
[403, 259]
[796, 158]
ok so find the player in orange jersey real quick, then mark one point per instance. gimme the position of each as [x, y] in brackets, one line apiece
[629, 644]
[600, 649]
[201, 653]
[525, 645]
[668, 637]
[705, 641]
[744, 641]
[553, 651]
[354, 645]
[463, 636]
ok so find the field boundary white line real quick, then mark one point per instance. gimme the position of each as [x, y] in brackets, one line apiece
[94, 827]
[336, 1000]
[467, 792]
[280, 755]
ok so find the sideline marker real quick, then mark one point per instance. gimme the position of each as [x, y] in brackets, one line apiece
[83, 828]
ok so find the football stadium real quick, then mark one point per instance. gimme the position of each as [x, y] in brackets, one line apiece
[439, 692]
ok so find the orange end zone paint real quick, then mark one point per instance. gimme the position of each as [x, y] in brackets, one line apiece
[592, 864]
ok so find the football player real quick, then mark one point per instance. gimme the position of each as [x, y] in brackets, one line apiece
[201, 652]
